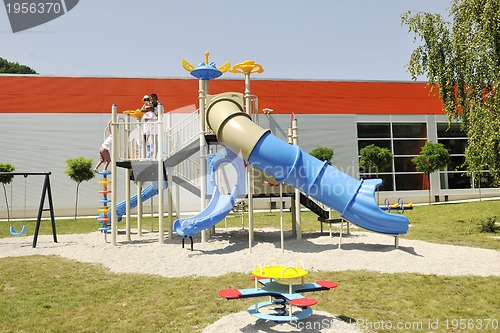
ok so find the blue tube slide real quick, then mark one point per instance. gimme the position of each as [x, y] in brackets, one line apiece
[219, 205]
[354, 199]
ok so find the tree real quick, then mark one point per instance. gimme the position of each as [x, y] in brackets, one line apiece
[7, 179]
[462, 60]
[79, 170]
[433, 156]
[374, 157]
[322, 153]
[14, 68]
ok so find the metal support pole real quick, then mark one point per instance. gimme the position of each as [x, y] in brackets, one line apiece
[177, 201]
[170, 183]
[248, 106]
[295, 140]
[203, 152]
[139, 208]
[128, 174]
[139, 183]
[281, 219]
[161, 178]
[114, 156]
[293, 201]
[127, 203]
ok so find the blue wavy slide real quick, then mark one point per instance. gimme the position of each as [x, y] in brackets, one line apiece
[353, 198]
[220, 204]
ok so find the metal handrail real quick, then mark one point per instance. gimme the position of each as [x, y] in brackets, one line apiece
[133, 145]
[182, 134]
[189, 171]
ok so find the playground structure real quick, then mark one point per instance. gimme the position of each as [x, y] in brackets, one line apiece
[230, 119]
[279, 283]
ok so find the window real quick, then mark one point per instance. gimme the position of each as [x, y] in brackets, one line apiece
[455, 140]
[407, 182]
[404, 140]
[404, 130]
[454, 146]
[379, 143]
[408, 147]
[445, 130]
[387, 181]
[374, 130]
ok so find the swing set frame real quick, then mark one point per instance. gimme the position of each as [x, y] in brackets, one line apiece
[46, 192]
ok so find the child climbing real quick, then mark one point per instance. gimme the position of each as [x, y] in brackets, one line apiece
[104, 155]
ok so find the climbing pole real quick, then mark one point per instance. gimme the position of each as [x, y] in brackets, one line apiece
[104, 215]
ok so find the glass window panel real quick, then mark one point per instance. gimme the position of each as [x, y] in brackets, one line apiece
[387, 183]
[374, 130]
[380, 143]
[453, 132]
[404, 164]
[454, 146]
[486, 180]
[454, 180]
[409, 130]
[375, 170]
[456, 163]
[410, 182]
[408, 147]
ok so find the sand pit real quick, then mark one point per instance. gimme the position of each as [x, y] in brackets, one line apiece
[227, 251]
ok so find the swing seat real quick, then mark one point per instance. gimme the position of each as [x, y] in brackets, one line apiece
[14, 233]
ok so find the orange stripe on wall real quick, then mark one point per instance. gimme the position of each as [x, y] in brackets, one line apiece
[39, 94]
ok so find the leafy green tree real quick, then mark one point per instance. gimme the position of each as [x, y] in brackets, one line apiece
[433, 156]
[322, 153]
[6, 179]
[14, 68]
[461, 59]
[373, 157]
[79, 170]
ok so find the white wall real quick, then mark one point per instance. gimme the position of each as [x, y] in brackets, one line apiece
[43, 142]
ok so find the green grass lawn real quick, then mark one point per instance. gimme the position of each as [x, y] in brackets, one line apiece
[51, 294]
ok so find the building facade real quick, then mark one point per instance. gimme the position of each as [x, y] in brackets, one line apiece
[47, 120]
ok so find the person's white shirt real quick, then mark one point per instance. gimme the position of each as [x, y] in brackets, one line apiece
[107, 143]
[150, 116]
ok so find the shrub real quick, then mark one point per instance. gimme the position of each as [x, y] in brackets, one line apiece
[322, 153]
[79, 170]
[488, 225]
[7, 179]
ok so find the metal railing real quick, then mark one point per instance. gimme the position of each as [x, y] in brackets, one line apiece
[134, 144]
[182, 134]
[189, 171]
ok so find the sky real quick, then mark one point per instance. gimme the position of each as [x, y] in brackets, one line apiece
[291, 39]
